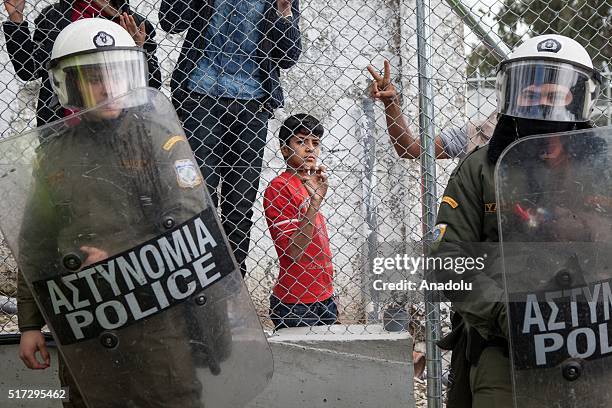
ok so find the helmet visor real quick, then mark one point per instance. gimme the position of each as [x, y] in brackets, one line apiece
[87, 80]
[546, 90]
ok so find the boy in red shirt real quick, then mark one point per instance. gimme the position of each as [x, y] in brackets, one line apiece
[303, 295]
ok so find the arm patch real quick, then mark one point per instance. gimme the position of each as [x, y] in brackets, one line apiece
[172, 141]
[450, 201]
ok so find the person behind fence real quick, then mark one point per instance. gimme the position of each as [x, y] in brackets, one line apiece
[225, 88]
[111, 153]
[303, 295]
[30, 54]
[450, 143]
[547, 85]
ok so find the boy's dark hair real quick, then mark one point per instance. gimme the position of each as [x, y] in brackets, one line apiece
[299, 123]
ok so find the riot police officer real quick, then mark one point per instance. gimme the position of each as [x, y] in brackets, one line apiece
[547, 85]
[111, 183]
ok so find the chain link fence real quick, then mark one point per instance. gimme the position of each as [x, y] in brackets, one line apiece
[377, 205]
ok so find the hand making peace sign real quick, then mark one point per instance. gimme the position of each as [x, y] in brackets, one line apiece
[381, 87]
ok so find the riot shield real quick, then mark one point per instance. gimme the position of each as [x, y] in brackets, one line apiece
[554, 201]
[109, 219]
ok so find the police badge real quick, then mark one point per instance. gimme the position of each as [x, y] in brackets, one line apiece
[187, 174]
[103, 39]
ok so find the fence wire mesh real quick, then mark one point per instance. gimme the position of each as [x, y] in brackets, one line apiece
[374, 203]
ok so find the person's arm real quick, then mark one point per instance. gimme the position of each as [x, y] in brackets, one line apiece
[176, 16]
[180, 198]
[459, 224]
[316, 185]
[150, 47]
[143, 33]
[290, 228]
[404, 142]
[27, 55]
[37, 253]
[285, 34]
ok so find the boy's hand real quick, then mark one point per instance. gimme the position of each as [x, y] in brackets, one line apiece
[381, 87]
[14, 9]
[316, 184]
[33, 341]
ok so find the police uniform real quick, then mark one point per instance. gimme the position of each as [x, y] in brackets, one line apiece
[575, 205]
[112, 185]
[533, 98]
[480, 365]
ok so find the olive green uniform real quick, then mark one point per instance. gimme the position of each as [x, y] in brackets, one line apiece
[468, 214]
[570, 193]
[113, 185]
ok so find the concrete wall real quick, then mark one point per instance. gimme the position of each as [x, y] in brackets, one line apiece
[322, 369]
[315, 369]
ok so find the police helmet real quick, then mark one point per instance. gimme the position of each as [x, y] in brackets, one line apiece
[548, 77]
[93, 53]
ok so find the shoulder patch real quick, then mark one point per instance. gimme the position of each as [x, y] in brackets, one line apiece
[187, 174]
[450, 201]
[172, 140]
[438, 232]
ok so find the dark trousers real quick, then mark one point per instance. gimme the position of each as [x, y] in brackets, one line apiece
[228, 138]
[302, 314]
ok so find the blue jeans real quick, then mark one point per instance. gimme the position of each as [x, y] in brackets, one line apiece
[302, 314]
[228, 137]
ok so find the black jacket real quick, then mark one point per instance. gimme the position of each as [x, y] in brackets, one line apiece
[30, 55]
[280, 47]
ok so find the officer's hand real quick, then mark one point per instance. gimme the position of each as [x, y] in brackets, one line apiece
[15, 10]
[33, 341]
[93, 255]
[381, 87]
[138, 32]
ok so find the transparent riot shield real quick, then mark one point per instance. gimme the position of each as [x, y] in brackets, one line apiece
[108, 217]
[554, 200]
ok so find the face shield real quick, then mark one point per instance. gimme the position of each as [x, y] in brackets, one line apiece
[86, 80]
[546, 90]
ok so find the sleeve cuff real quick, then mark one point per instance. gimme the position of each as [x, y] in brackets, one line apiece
[454, 141]
[10, 24]
[26, 328]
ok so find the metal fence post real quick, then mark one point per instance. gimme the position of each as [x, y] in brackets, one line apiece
[369, 184]
[429, 202]
[608, 85]
[486, 34]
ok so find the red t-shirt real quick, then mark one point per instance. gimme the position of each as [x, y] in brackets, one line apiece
[309, 279]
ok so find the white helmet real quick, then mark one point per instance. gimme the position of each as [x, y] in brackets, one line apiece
[95, 52]
[548, 77]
